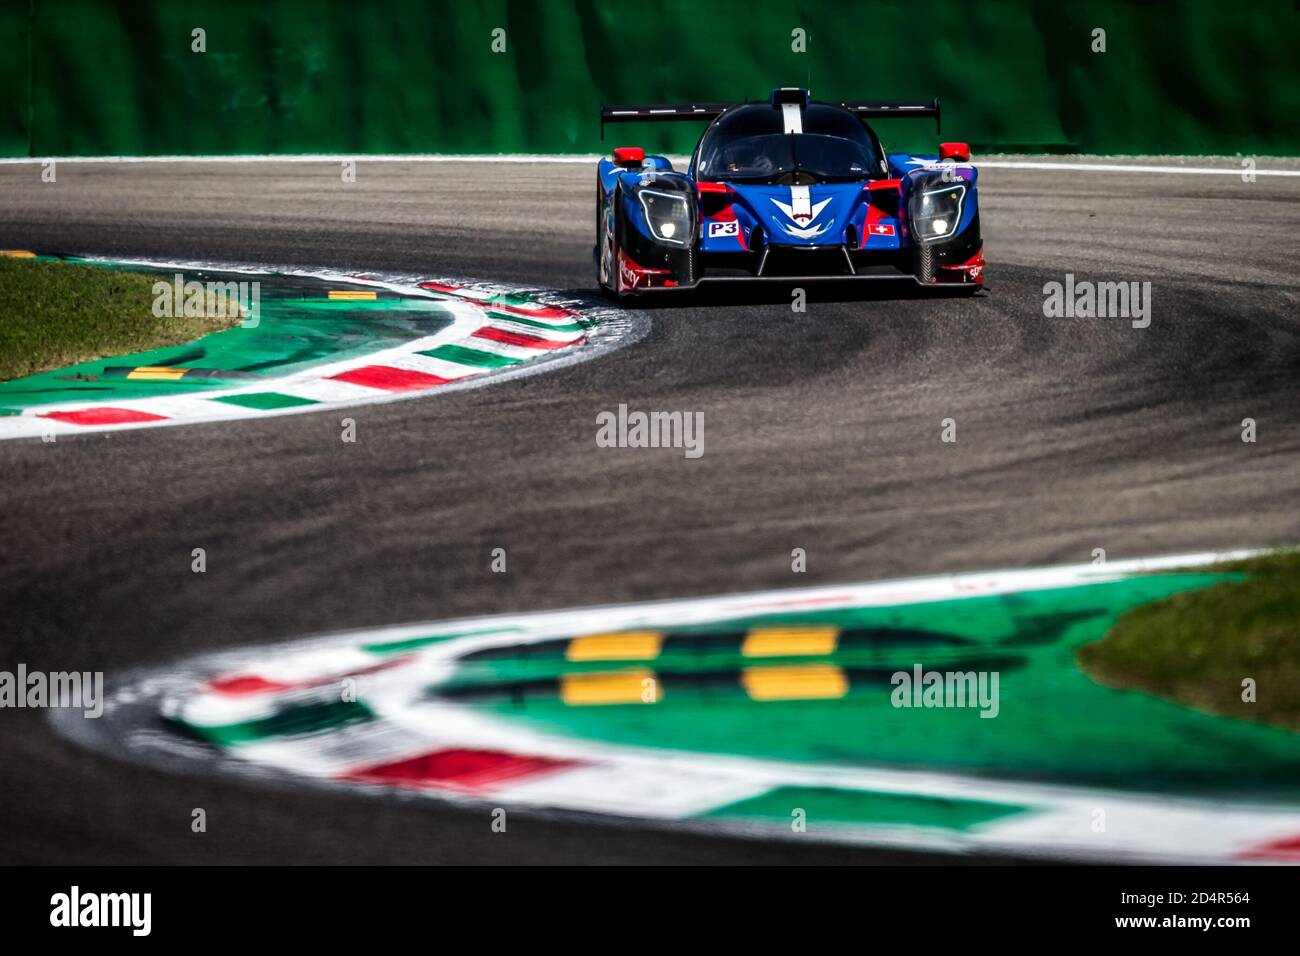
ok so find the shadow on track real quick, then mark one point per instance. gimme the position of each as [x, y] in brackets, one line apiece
[777, 292]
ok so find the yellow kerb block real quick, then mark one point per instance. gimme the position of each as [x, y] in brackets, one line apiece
[808, 682]
[627, 646]
[156, 373]
[790, 641]
[623, 687]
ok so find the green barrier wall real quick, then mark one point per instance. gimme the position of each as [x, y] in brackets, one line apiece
[80, 77]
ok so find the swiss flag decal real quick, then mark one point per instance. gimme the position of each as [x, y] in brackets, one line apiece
[881, 229]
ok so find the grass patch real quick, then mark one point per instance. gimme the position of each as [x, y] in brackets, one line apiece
[1197, 647]
[54, 314]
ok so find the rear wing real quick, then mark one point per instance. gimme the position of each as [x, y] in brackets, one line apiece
[895, 109]
[661, 111]
[877, 109]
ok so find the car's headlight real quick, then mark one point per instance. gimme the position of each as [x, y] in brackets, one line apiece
[936, 211]
[668, 215]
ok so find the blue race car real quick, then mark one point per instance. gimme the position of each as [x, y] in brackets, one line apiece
[786, 189]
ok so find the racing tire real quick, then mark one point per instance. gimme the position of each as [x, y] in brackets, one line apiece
[601, 239]
[607, 238]
[923, 263]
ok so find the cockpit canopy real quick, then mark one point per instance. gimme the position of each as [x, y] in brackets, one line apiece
[750, 143]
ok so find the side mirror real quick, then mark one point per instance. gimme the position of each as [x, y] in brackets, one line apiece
[629, 157]
[957, 151]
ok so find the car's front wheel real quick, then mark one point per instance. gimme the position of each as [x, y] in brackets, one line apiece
[923, 262]
[606, 251]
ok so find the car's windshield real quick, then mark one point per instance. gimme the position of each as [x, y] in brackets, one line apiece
[776, 155]
[752, 143]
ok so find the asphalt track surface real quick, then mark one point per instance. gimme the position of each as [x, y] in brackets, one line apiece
[822, 431]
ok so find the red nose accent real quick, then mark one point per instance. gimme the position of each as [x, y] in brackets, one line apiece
[958, 151]
[716, 188]
[884, 185]
[632, 156]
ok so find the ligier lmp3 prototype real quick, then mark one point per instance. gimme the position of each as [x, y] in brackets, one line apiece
[786, 189]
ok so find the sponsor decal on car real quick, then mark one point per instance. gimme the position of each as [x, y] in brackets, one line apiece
[802, 213]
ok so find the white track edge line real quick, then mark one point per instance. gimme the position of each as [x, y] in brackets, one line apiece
[592, 158]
